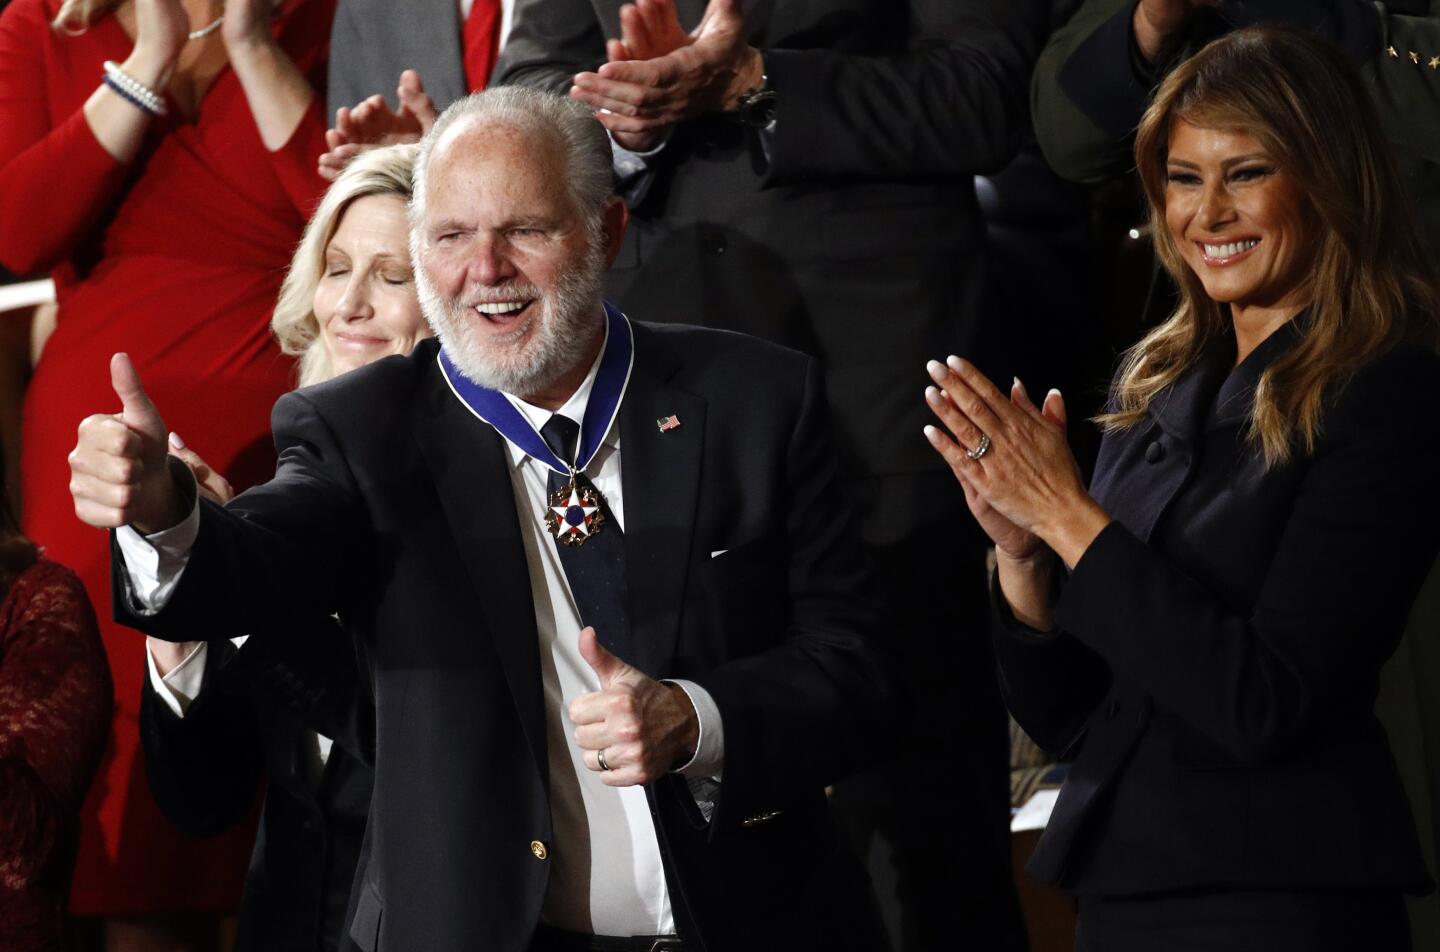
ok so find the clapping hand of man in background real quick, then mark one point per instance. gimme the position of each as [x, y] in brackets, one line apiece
[372, 123]
[658, 74]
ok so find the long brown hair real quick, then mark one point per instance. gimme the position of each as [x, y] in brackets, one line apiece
[1373, 285]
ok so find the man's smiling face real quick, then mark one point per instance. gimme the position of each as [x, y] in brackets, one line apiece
[510, 270]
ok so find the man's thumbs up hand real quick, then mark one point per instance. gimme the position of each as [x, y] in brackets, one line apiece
[634, 729]
[118, 472]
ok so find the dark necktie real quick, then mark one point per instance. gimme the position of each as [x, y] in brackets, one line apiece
[596, 568]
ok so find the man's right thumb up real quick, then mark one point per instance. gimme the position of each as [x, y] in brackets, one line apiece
[137, 412]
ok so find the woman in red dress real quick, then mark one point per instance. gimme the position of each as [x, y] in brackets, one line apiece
[168, 236]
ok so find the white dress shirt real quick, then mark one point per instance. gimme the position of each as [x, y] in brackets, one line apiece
[607, 878]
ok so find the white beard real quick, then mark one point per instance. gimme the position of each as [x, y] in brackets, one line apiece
[564, 323]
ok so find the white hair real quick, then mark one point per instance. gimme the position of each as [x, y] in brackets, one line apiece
[580, 140]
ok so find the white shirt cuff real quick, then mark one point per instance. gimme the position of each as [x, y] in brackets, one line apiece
[153, 563]
[183, 682]
[628, 164]
[709, 759]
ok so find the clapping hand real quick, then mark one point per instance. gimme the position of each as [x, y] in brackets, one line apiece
[372, 123]
[247, 25]
[1025, 488]
[161, 32]
[634, 729]
[658, 74]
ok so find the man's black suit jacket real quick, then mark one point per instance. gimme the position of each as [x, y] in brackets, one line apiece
[1219, 645]
[393, 505]
[853, 232]
[253, 719]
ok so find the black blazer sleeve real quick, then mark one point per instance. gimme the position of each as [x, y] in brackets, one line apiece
[269, 556]
[1050, 681]
[1361, 534]
[549, 42]
[204, 768]
[951, 103]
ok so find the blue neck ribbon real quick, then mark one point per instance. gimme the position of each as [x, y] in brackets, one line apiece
[489, 405]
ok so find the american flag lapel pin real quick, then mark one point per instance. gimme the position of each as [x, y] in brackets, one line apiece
[666, 424]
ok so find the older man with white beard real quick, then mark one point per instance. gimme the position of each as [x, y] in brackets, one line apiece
[616, 615]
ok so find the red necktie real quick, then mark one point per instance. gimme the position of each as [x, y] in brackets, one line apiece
[482, 42]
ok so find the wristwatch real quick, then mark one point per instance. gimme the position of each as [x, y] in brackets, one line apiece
[757, 108]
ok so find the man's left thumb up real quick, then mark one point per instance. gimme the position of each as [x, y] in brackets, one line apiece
[603, 663]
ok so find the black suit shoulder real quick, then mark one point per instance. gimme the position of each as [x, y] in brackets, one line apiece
[1401, 385]
[374, 392]
[705, 354]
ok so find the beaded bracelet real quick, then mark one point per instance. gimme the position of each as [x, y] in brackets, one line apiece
[132, 90]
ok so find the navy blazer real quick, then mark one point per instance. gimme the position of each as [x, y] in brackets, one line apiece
[1217, 649]
[393, 505]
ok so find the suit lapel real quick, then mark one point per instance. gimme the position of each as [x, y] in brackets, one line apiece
[1237, 394]
[467, 462]
[1182, 409]
[661, 478]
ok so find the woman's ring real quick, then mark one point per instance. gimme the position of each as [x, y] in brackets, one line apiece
[600, 759]
[981, 448]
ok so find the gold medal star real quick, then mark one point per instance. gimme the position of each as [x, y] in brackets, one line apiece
[1415, 57]
[582, 507]
[1434, 62]
[1394, 54]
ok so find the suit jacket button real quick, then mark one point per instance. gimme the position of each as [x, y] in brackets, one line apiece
[1155, 452]
[538, 848]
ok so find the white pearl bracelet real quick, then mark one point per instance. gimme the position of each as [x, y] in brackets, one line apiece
[131, 89]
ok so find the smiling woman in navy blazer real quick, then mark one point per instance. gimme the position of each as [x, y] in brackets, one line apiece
[1203, 630]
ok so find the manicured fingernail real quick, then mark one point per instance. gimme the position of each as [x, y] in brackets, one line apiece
[956, 364]
[937, 369]
[932, 434]
[176, 442]
[932, 394]
[1053, 393]
[1015, 384]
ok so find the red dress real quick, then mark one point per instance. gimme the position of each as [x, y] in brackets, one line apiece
[54, 716]
[176, 259]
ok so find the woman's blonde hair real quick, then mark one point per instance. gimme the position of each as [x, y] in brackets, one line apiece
[1372, 282]
[386, 171]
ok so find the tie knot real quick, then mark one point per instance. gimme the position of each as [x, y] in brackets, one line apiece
[561, 434]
